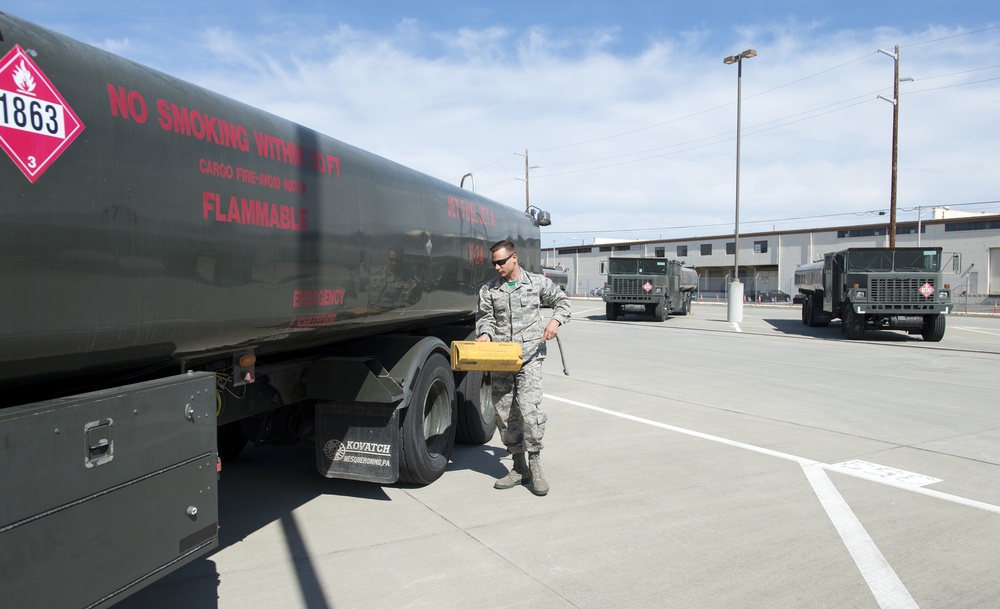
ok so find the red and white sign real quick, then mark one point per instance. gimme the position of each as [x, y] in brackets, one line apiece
[927, 289]
[36, 123]
[647, 286]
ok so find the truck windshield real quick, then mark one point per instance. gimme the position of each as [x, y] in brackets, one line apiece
[917, 260]
[869, 262]
[645, 266]
[898, 260]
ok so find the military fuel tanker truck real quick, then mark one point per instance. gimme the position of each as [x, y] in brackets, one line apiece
[650, 286]
[182, 275]
[877, 288]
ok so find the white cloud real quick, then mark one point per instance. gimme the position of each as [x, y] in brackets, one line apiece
[816, 140]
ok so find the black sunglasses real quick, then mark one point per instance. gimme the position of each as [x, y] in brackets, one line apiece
[503, 261]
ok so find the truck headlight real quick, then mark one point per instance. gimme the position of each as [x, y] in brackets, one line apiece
[944, 294]
[860, 295]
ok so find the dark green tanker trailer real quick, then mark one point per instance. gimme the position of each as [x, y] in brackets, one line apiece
[179, 269]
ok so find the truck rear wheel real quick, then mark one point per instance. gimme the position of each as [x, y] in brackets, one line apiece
[476, 413]
[933, 328]
[611, 311]
[427, 432]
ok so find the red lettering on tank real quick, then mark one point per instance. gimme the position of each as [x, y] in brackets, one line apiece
[253, 212]
[246, 175]
[215, 168]
[317, 298]
[311, 322]
[476, 254]
[131, 105]
[234, 212]
[193, 123]
[295, 186]
[468, 211]
[277, 149]
[209, 201]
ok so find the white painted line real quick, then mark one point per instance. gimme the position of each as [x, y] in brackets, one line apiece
[889, 591]
[883, 471]
[979, 505]
[736, 327]
[696, 434]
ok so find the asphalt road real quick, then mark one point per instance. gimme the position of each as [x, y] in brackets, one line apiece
[694, 463]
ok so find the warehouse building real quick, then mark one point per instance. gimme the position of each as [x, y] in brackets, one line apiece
[767, 261]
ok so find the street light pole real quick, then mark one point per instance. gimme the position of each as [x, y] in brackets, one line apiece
[735, 302]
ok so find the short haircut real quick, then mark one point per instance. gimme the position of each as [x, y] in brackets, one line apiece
[499, 245]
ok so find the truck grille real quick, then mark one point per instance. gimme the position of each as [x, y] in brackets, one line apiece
[901, 289]
[628, 287]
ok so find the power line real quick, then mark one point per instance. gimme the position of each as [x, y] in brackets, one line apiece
[712, 109]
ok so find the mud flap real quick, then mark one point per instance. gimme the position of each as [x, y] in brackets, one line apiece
[358, 442]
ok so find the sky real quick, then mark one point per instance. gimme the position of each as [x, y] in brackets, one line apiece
[626, 109]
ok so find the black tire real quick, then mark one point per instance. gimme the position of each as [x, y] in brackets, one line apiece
[476, 414]
[687, 303]
[806, 312]
[611, 311]
[854, 325]
[230, 441]
[933, 330]
[427, 431]
[660, 313]
[817, 317]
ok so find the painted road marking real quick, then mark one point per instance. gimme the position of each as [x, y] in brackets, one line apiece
[882, 471]
[889, 591]
[979, 505]
[878, 574]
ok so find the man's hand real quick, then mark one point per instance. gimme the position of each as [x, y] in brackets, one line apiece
[551, 329]
[483, 338]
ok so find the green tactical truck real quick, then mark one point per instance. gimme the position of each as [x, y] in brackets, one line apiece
[653, 286]
[877, 288]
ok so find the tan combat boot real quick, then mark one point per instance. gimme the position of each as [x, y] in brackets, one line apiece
[538, 484]
[517, 476]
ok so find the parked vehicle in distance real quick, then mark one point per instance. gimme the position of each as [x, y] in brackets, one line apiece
[775, 296]
[799, 298]
[598, 292]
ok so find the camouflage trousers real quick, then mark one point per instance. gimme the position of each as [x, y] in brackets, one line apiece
[517, 398]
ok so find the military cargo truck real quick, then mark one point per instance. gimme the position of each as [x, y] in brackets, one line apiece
[650, 286]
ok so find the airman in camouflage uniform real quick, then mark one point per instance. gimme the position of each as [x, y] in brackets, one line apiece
[510, 311]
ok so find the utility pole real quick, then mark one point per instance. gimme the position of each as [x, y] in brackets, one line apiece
[527, 167]
[527, 203]
[895, 142]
